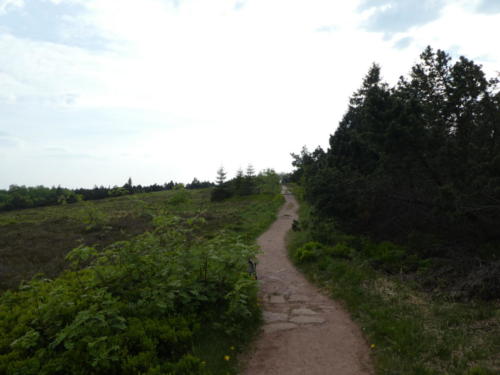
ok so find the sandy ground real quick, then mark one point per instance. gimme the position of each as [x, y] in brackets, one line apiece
[305, 332]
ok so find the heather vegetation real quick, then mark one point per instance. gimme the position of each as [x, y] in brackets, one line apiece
[174, 299]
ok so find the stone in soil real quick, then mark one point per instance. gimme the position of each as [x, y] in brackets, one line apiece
[282, 326]
[303, 311]
[298, 298]
[277, 299]
[271, 317]
[307, 319]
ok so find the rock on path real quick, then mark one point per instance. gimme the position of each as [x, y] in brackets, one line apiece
[304, 332]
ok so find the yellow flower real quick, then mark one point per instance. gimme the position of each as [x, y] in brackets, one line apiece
[372, 346]
[227, 358]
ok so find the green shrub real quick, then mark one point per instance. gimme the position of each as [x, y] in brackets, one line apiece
[118, 192]
[308, 252]
[220, 193]
[93, 217]
[340, 250]
[479, 371]
[385, 255]
[136, 308]
[179, 196]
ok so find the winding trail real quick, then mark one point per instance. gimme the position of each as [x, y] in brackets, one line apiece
[305, 332]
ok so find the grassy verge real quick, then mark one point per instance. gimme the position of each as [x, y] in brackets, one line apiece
[176, 299]
[410, 331]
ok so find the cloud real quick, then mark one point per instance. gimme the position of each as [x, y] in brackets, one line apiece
[488, 6]
[392, 16]
[239, 4]
[69, 24]
[403, 42]
[49, 73]
[62, 153]
[8, 141]
[6, 5]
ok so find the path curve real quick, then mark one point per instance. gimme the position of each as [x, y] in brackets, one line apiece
[304, 332]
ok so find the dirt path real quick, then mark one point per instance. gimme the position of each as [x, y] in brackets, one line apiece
[305, 332]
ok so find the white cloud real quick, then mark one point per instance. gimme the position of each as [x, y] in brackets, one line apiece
[6, 5]
[462, 31]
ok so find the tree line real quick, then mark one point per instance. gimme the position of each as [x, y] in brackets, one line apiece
[248, 183]
[420, 160]
[20, 196]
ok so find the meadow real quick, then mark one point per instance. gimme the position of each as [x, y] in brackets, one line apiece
[151, 283]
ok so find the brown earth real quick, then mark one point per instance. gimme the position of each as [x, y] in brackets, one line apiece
[305, 332]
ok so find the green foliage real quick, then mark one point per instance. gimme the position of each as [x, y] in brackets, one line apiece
[18, 197]
[266, 182]
[409, 330]
[418, 160]
[118, 192]
[385, 255]
[93, 217]
[36, 240]
[179, 196]
[340, 250]
[197, 184]
[221, 190]
[308, 252]
[256, 218]
[136, 307]
[24, 197]
[173, 300]
[480, 371]
[220, 193]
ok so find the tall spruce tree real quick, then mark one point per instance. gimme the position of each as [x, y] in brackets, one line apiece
[221, 176]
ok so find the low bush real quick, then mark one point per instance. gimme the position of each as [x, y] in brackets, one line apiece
[410, 330]
[340, 250]
[308, 252]
[136, 307]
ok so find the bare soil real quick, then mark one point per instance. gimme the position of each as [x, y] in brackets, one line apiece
[305, 332]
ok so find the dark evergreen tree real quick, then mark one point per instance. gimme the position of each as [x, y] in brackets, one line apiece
[221, 190]
[128, 186]
[239, 182]
[249, 181]
[422, 157]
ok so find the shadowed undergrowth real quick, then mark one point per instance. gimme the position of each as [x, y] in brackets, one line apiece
[410, 330]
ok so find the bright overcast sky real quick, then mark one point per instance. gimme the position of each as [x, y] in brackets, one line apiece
[96, 91]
